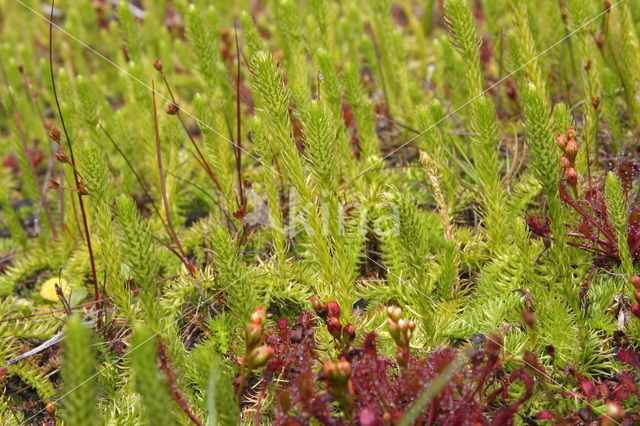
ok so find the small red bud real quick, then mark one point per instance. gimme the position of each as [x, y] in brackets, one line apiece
[571, 132]
[565, 163]
[253, 334]
[333, 309]
[635, 280]
[334, 327]
[637, 296]
[595, 102]
[349, 332]
[158, 65]
[635, 310]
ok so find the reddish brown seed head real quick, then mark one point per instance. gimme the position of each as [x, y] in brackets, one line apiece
[54, 134]
[173, 108]
[61, 156]
[635, 310]
[158, 65]
[53, 184]
[635, 280]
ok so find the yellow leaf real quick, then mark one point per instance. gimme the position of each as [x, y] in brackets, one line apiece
[48, 290]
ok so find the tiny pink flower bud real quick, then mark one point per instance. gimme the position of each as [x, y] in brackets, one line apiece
[571, 132]
[258, 315]
[396, 314]
[571, 177]
[561, 141]
[260, 356]
[394, 330]
[315, 303]
[635, 280]
[329, 369]
[253, 334]
[390, 310]
[403, 326]
[635, 310]
[344, 369]
[565, 162]
[571, 149]
[637, 296]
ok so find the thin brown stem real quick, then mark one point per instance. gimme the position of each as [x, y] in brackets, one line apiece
[75, 172]
[202, 160]
[171, 379]
[238, 146]
[170, 229]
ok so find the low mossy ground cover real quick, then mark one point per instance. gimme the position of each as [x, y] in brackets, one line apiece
[319, 212]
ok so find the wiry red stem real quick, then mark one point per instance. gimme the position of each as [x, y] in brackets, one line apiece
[170, 229]
[171, 378]
[75, 172]
[238, 146]
[201, 159]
